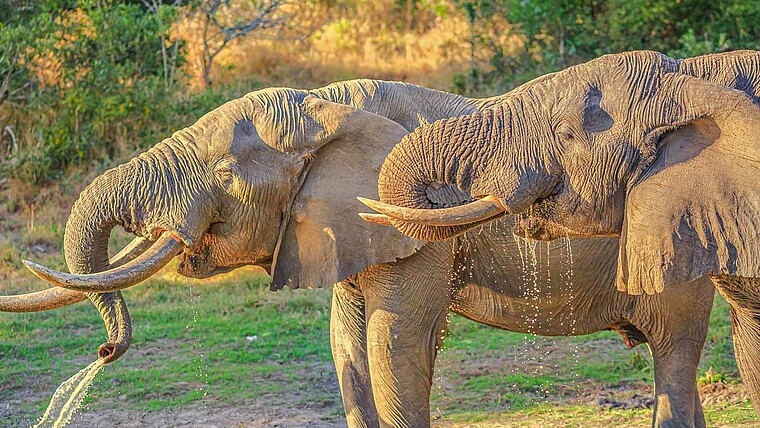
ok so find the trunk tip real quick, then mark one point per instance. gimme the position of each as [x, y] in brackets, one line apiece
[110, 352]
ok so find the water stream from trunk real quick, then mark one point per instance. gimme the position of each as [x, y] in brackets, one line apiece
[67, 398]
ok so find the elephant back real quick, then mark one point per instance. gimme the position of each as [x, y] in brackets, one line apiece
[738, 69]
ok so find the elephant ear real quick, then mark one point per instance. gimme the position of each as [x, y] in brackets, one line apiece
[695, 210]
[324, 240]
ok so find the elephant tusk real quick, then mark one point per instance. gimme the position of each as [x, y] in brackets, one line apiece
[138, 246]
[44, 300]
[376, 218]
[131, 273]
[56, 297]
[473, 212]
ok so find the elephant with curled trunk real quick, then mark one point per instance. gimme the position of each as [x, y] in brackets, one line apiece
[664, 154]
[269, 179]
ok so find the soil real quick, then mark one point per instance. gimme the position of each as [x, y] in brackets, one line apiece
[315, 400]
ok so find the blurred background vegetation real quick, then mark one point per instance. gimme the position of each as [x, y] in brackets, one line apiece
[85, 84]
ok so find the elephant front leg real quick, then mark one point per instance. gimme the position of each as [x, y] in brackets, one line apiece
[406, 322]
[676, 396]
[675, 323]
[348, 338]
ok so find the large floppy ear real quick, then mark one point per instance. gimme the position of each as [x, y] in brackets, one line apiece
[695, 209]
[325, 240]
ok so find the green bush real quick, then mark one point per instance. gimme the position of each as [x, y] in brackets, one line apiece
[96, 85]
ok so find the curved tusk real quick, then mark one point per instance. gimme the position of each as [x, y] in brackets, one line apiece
[136, 247]
[376, 218]
[479, 210]
[131, 273]
[57, 297]
[52, 298]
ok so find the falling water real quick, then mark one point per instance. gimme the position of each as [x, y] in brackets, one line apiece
[529, 257]
[68, 397]
[568, 273]
[201, 364]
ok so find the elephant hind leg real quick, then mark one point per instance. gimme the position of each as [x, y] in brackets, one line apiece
[746, 327]
[348, 338]
[743, 296]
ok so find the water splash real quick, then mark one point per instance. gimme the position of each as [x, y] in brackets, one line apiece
[67, 398]
[200, 362]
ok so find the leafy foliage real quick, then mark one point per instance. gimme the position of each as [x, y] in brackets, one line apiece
[85, 80]
[93, 73]
[559, 33]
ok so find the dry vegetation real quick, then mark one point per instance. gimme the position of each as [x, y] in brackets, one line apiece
[419, 42]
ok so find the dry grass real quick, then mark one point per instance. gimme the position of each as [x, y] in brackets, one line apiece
[374, 39]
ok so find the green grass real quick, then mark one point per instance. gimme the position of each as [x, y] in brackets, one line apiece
[232, 342]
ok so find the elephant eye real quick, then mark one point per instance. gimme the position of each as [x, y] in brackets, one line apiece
[225, 176]
[564, 133]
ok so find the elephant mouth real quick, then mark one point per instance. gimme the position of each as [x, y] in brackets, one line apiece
[540, 228]
[198, 262]
[203, 261]
[540, 220]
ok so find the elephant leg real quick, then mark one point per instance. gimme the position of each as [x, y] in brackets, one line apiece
[675, 386]
[743, 298]
[406, 321]
[348, 338]
[699, 414]
[675, 323]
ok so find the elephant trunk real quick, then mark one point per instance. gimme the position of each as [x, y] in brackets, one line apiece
[430, 182]
[101, 207]
[135, 196]
[484, 159]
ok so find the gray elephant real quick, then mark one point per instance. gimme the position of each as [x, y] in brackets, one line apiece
[629, 145]
[269, 179]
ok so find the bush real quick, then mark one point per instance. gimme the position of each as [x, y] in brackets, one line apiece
[96, 84]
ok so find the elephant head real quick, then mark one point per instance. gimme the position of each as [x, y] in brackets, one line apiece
[626, 145]
[245, 185]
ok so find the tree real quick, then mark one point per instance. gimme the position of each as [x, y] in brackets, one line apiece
[165, 14]
[225, 21]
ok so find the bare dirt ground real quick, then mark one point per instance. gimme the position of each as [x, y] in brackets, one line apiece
[260, 413]
[275, 412]
[321, 406]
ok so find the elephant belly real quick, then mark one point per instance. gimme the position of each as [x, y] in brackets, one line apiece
[555, 317]
[558, 315]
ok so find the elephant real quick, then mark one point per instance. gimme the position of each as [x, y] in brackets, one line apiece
[658, 152]
[269, 179]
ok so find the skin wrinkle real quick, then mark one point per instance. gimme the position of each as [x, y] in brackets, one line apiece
[652, 106]
[401, 362]
[348, 343]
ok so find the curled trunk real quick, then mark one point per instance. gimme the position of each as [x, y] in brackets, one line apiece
[136, 196]
[489, 157]
[101, 207]
[438, 166]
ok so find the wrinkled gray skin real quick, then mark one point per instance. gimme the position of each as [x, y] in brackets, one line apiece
[662, 153]
[270, 179]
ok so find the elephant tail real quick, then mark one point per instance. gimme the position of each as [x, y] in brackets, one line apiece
[743, 296]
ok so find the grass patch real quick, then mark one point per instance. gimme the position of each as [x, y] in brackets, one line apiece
[232, 343]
